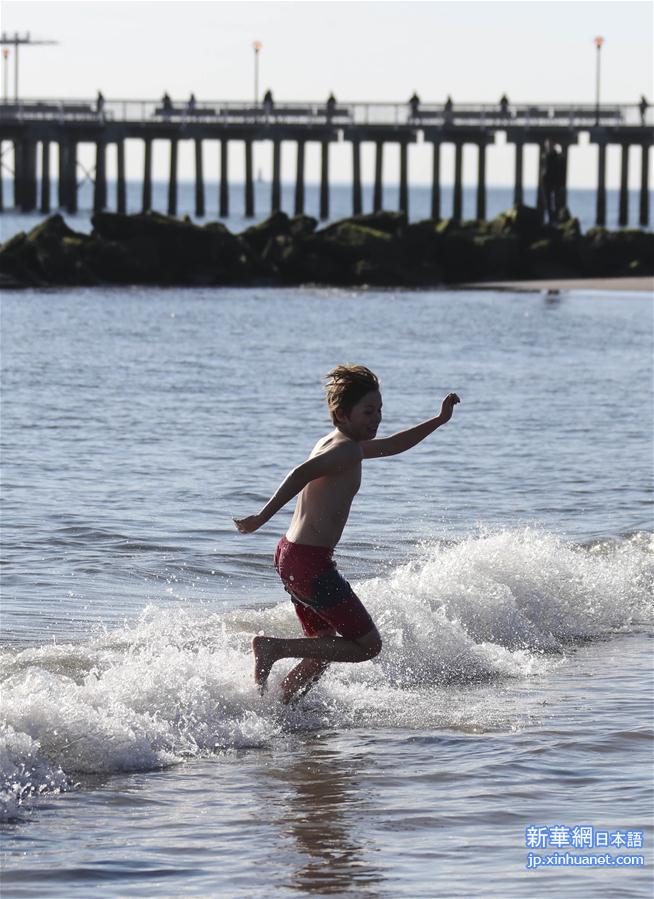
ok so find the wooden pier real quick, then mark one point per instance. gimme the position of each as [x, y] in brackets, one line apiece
[32, 126]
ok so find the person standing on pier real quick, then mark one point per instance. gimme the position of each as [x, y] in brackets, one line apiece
[414, 106]
[448, 110]
[552, 180]
[643, 107]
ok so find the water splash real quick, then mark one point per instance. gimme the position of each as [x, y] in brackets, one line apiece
[178, 684]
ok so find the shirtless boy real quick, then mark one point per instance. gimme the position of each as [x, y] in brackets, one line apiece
[337, 626]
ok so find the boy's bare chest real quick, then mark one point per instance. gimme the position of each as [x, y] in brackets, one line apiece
[347, 482]
[339, 487]
[342, 485]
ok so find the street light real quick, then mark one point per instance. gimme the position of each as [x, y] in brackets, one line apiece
[16, 41]
[257, 45]
[598, 43]
[5, 75]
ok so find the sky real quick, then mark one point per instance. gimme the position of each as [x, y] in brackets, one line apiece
[475, 51]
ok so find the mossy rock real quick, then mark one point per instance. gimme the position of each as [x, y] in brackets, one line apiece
[570, 228]
[302, 225]
[611, 253]
[499, 257]
[522, 221]
[278, 252]
[317, 268]
[421, 242]
[460, 257]
[468, 229]
[173, 251]
[638, 267]
[378, 248]
[120, 226]
[217, 228]
[446, 226]
[551, 258]
[19, 260]
[54, 228]
[380, 275]
[349, 243]
[48, 254]
[258, 236]
[393, 223]
[14, 245]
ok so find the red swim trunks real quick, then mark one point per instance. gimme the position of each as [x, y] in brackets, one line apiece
[324, 601]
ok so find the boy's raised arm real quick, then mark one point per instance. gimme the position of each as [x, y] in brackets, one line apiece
[404, 440]
[341, 457]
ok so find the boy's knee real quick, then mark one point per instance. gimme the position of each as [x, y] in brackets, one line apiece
[376, 647]
[371, 643]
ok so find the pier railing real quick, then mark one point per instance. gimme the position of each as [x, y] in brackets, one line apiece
[574, 115]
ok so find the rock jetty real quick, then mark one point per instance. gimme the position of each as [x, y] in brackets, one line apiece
[378, 249]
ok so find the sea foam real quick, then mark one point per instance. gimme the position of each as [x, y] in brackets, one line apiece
[456, 621]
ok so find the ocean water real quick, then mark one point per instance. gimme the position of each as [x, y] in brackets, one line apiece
[508, 562]
[581, 201]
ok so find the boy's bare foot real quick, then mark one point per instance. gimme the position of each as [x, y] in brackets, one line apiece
[264, 659]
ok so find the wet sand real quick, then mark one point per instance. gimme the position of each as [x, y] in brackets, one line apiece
[621, 285]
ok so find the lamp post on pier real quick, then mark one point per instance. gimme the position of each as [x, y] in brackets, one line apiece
[256, 46]
[598, 43]
[16, 41]
[5, 74]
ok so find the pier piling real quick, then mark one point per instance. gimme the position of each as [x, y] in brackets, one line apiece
[29, 175]
[357, 205]
[643, 217]
[457, 204]
[68, 155]
[540, 194]
[298, 206]
[518, 191]
[600, 213]
[147, 176]
[223, 201]
[324, 180]
[199, 179]
[26, 172]
[172, 181]
[564, 179]
[276, 201]
[249, 187]
[45, 176]
[481, 181]
[121, 192]
[100, 185]
[61, 176]
[623, 212]
[436, 182]
[377, 199]
[404, 181]
[18, 165]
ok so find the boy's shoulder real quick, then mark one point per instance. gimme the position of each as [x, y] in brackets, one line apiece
[335, 440]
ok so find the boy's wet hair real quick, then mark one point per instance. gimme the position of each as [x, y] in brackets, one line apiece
[345, 385]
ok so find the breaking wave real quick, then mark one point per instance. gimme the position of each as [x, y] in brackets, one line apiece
[178, 684]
